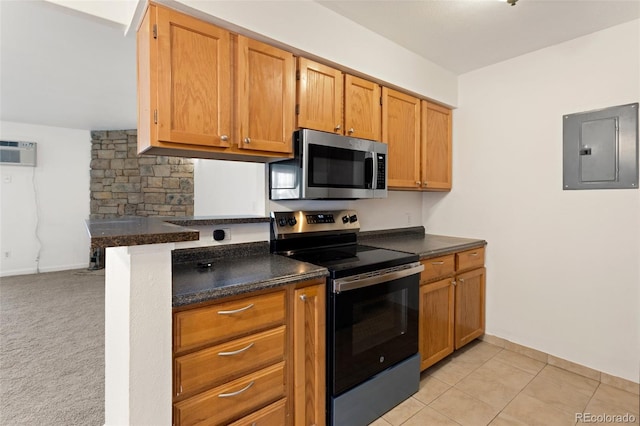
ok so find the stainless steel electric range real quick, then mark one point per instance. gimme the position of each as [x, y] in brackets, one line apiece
[372, 312]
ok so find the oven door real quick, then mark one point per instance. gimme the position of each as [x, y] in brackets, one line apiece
[373, 325]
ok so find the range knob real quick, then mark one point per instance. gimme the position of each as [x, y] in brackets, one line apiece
[353, 218]
[292, 221]
[282, 221]
[345, 219]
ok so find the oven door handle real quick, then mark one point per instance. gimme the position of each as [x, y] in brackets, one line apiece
[372, 278]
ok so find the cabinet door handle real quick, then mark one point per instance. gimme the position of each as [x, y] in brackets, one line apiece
[239, 351]
[351, 130]
[438, 263]
[337, 127]
[227, 395]
[461, 280]
[454, 283]
[224, 138]
[303, 297]
[247, 140]
[473, 254]
[424, 183]
[418, 182]
[235, 311]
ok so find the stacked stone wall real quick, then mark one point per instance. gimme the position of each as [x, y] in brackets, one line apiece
[125, 184]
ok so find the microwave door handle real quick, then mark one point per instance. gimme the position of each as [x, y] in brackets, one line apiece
[369, 169]
[374, 177]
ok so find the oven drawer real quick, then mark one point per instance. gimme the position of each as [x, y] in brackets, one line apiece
[232, 400]
[271, 415]
[438, 267]
[217, 364]
[470, 259]
[227, 320]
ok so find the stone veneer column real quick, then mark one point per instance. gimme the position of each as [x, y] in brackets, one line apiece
[125, 184]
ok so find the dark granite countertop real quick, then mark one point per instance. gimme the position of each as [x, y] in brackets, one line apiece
[134, 231]
[414, 240]
[235, 269]
[214, 220]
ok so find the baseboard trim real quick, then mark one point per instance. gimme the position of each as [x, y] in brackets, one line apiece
[43, 269]
[608, 379]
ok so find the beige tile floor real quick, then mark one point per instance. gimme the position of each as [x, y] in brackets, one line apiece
[483, 384]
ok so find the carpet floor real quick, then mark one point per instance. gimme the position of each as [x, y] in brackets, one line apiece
[52, 349]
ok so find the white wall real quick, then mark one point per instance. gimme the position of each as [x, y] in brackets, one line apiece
[228, 188]
[55, 195]
[563, 266]
[314, 30]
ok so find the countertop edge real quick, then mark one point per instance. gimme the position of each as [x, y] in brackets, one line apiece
[205, 221]
[453, 249]
[250, 287]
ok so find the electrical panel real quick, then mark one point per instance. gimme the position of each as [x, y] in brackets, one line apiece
[600, 148]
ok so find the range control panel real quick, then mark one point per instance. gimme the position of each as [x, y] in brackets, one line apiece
[299, 223]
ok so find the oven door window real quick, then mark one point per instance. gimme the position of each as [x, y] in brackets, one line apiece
[375, 328]
[331, 167]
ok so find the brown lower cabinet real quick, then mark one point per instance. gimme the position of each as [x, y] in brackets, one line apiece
[452, 303]
[256, 359]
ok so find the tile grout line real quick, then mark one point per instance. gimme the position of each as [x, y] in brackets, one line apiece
[461, 391]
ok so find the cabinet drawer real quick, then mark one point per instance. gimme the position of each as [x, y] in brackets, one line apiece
[271, 415]
[470, 259]
[232, 400]
[221, 363]
[227, 320]
[437, 267]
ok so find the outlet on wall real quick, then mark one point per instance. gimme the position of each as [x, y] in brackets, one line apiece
[222, 234]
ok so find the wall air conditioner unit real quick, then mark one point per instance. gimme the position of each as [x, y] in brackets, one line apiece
[18, 153]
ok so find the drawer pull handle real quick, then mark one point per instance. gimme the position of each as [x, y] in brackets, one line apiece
[473, 254]
[230, 394]
[461, 280]
[239, 351]
[438, 263]
[235, 311]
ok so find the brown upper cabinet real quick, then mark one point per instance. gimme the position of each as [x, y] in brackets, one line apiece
[331, 101]
[401, 131]
[265, 96]
[436, 147]
[419, 137]
[186, 88]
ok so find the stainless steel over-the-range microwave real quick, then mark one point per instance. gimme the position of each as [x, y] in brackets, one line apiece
[330, 166]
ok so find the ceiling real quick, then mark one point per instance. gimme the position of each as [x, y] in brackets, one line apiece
[464, 35]
[65, 68]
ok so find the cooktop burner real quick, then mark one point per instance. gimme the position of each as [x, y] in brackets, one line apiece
[329, 239]
[354, 259]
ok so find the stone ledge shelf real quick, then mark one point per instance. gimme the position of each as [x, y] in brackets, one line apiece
[135, 231]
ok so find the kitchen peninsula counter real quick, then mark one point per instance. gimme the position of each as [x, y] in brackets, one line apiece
[206, 274]
[415, 240]
[135, 231]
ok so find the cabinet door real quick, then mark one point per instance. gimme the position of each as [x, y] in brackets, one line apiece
[309, 355]
[401, 131]
[193, 81]
[320, 90]
[362, 110]
[436, 321]
[469, 306]
[265, 97]
[436, 144]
